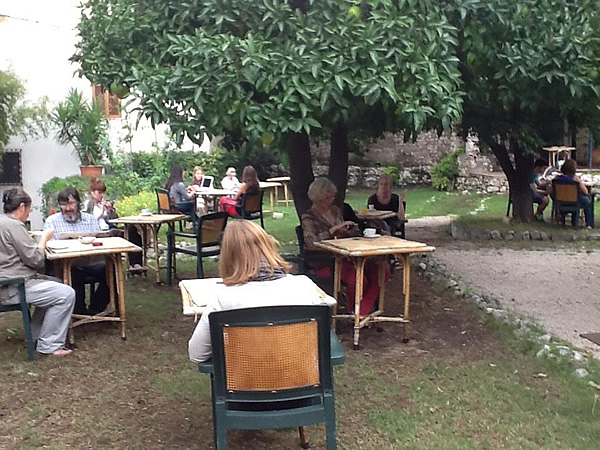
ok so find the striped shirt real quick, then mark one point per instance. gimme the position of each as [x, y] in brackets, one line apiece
[87, 224]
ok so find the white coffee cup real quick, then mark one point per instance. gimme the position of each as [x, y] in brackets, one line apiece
[370, 232]
[87, 239]
[371, 207]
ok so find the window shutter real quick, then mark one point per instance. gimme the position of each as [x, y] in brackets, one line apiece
[110, 104]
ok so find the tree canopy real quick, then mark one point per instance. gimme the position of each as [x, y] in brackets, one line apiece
[528, 68]
[18, 117]
[275, 70]
[271, 69]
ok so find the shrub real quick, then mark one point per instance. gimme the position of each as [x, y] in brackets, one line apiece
[444, 173]
[50, 189]
[132, 205]
[393, 172]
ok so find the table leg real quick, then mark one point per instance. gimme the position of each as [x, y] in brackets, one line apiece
[336, 287]
[65, 267]
[156, 259]
[126, 237]
[382, 266]
[110, 280]
[118, 270]
[285, 193]
[359, 265]
[271, 192]
[406, 289]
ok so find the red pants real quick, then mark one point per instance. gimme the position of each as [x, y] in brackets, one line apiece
[228, 205]
[370, 284]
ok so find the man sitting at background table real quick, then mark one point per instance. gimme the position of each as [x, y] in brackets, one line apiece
[540, 188]
[230, 182]
[71, 219]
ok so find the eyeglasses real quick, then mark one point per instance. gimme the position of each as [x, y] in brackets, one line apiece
[64, 205]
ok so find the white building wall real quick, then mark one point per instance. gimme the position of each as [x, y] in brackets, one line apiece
[37, 38]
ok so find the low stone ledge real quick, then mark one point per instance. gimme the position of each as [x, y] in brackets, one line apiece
[461, 232]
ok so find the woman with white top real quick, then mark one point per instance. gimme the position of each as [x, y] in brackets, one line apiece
[254, 274]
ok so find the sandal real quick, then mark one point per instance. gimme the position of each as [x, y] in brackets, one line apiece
[59, 353]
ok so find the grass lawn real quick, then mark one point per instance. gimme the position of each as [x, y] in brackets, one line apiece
[463, 381]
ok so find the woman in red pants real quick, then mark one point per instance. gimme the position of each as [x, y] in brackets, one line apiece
[324, 221]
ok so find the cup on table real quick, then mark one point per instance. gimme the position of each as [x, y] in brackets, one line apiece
[145, 212]
[368, 232]
[371, 207]
[87, 239]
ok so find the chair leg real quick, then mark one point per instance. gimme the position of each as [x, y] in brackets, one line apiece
[303, 440]
[27, 329]
[199, 267]
[330, 422]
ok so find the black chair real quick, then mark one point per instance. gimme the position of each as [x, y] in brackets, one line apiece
[251, 207]
[287, 383]
[165, 205]
[24, 308]
[209, 229]
[319, 259]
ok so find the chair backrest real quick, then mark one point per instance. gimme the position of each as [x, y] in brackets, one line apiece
[163, 202]
[210, 228]
[300, 238]
[295, 363]
[565, 190]
[252, 203]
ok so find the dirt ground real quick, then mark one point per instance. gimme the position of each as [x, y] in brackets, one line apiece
[557, 287]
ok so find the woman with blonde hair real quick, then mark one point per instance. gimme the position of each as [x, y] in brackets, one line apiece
[254, 274]
[324, 221]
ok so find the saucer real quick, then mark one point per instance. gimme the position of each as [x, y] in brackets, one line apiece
[372, 235]
[148, 213]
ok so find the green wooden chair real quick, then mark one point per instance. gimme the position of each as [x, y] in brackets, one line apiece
[208, 232]
[287, 383]
[24, 308]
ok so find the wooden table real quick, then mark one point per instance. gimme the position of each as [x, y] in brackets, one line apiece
[65, 252]
[270, 186]
[554, 151]
[152, 223]
[285, 181]
[358, 249]
[374, 214]
[213, 193]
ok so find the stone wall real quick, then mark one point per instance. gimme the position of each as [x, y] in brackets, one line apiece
[483, 182]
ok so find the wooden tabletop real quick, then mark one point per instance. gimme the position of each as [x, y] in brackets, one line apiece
[269, 184]
[381, 245]
[151, 219]
[213, 192]
[195, 294]
[279, 179]
[366, 214]
[558, 148]
[74, 248]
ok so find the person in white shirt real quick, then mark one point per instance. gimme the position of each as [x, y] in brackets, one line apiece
[254, 274]
[230, 182]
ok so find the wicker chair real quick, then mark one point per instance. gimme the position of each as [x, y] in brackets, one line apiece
[565, 200]
[288, 383]
[24, 308]
[305, 258]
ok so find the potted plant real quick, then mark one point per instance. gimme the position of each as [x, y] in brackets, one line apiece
[84, 126]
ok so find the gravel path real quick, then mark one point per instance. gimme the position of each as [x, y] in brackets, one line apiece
[559, 288]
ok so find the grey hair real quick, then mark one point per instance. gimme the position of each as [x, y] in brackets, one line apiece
[12, 198]
[319, 189]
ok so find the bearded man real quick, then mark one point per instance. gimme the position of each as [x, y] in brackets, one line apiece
[72, 220]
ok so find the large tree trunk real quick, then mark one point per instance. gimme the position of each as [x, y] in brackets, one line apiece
[518, 179]
[301, 172]
[338, 160]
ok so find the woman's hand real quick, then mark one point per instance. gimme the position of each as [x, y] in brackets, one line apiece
[45, 237]
[342, 227]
